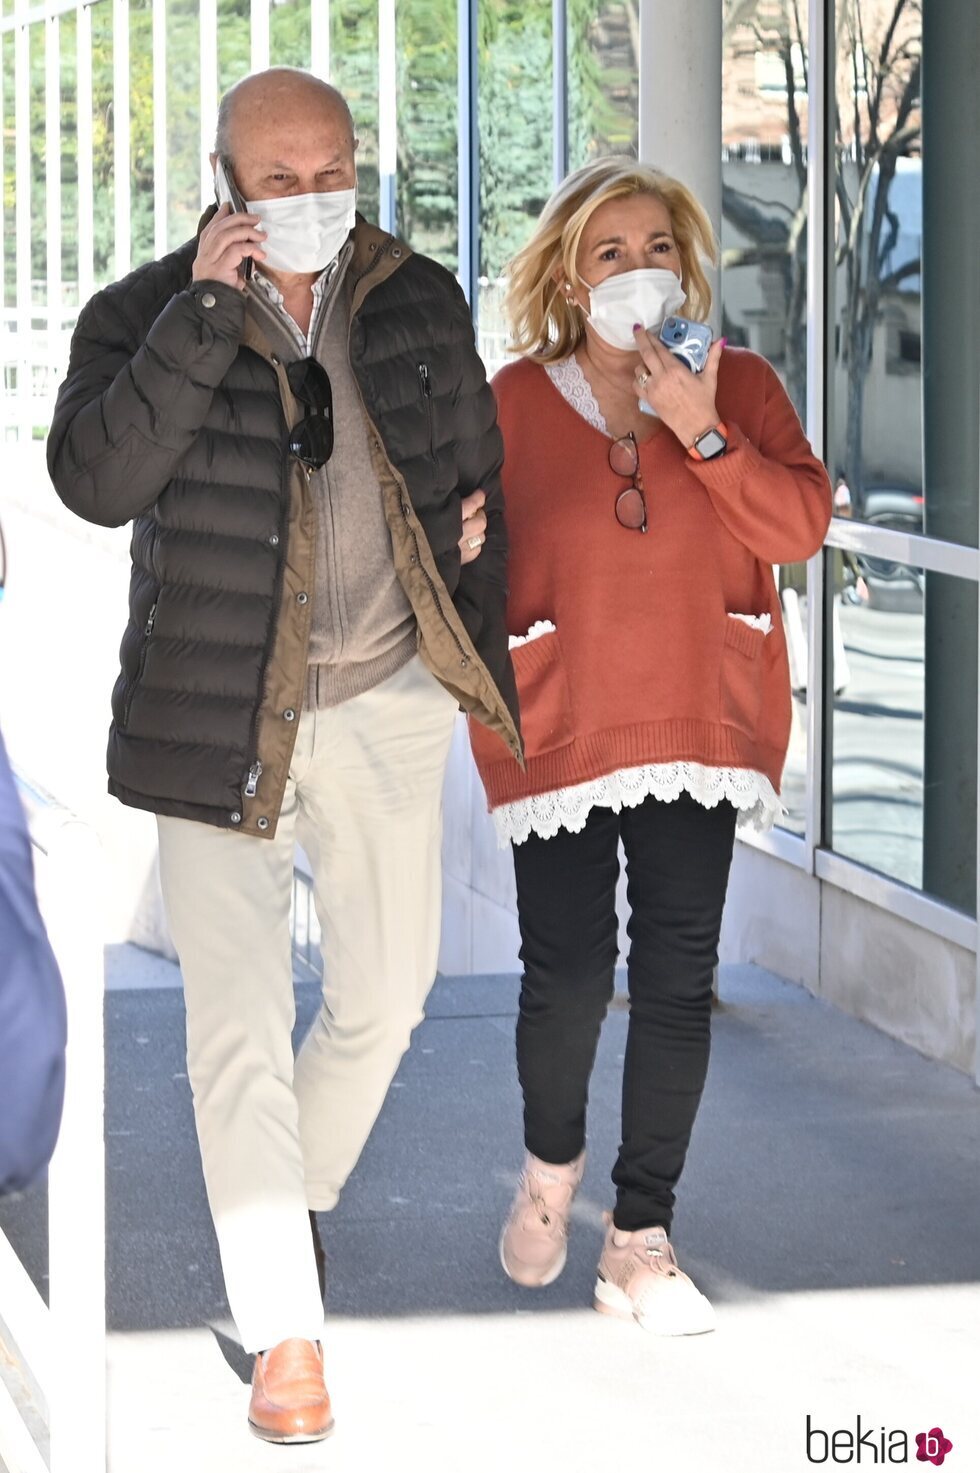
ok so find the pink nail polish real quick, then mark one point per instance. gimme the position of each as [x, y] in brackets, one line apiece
[724, 342]
[637, 326]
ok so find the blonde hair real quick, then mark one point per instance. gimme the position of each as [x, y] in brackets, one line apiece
[544, 325]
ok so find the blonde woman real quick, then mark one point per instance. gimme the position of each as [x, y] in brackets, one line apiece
[646, 507]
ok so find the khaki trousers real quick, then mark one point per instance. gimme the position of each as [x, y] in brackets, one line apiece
[279, 1136]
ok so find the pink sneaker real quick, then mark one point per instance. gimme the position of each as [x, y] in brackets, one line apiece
[639, 1280]
[534, 1242]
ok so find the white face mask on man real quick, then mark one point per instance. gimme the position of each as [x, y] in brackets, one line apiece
[648, 296]
[305, 231]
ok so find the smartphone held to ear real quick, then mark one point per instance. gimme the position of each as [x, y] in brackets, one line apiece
[226, 193]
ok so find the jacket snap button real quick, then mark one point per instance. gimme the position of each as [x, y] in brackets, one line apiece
[236, 818]
[274, 540]
[262, 823]
[413, 559]
[274, 360]
[208, 299]
[289, 714]
[302, 598]
[397, 252]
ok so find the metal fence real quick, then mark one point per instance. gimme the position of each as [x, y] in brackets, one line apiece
[45, 1343]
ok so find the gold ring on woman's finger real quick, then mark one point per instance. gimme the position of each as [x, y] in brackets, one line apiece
[642, 377]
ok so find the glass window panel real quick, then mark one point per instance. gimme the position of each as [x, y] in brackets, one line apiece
[764, 184]
[877, 334]
[141, 130]
[516, 147]
[428, 176]
[234, 42]
[69, 162]
[289, 33]
[354, 69]
[904, 796]
[603, 79]
[763, 276]
[183, 119]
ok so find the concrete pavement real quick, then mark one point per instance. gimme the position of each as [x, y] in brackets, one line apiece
[830, 1209]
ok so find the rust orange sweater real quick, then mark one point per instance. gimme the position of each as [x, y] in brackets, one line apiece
[645, 665]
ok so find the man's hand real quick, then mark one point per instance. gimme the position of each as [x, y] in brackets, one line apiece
[474, 526]
[225, 242]
[685, 401]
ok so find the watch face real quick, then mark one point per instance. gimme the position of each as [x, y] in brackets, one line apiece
[710, 444]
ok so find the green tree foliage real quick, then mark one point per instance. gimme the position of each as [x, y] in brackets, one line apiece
[515, 115]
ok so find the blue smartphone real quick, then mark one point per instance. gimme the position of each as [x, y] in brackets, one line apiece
[688, 341]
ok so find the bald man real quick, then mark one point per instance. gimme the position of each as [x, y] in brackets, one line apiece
[291, 411]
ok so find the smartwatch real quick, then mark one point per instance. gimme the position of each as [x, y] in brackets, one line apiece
[711, 444]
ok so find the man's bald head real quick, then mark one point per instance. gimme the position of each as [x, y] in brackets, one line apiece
[284, 131]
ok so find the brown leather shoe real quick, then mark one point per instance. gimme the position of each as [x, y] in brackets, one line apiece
[290, 1402]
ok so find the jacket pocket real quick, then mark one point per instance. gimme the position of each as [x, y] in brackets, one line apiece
[743, 673]
[145, 638]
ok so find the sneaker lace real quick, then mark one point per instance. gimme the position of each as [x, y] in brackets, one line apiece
[544, 1211]
[661, 1256]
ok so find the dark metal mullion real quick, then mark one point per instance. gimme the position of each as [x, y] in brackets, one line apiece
[469, 152]
[559, 35]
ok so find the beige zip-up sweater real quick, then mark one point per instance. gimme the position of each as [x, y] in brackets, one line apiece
[363, 629]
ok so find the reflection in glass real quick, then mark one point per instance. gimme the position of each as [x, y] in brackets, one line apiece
[763, 277]
[354, 69]
[516, 147]
[427, 207]
[603, 78]
[880, 724]
[877, 443]
[764, 183]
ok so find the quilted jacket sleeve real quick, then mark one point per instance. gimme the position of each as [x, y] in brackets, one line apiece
[131, 404]
[481, 597]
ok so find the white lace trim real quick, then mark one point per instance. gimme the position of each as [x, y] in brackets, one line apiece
[571, 383]
[750, 792]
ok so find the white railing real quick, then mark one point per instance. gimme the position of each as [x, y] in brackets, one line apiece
[58, 1350]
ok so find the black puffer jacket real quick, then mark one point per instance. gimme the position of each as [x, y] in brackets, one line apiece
[174, 415]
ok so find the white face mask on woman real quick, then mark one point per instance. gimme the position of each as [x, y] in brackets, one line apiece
[306, 231]
[648, 296]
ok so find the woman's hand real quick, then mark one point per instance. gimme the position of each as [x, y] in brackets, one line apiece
[474, 526]
[685, 401]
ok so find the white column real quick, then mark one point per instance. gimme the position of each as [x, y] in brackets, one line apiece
[320, 39]
[680, 98]
[120, 156]
[83, 114]
[260, 35]
[52, 189]
[22, 197]
[208, 21]
[160, 186]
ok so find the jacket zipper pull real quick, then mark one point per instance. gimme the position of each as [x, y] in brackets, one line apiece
[254, 773]
[148, 627]
[424, 380]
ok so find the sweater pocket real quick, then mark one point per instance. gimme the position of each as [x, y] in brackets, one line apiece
[743, 673]
[546, 708]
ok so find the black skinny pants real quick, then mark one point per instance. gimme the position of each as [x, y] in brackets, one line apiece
[678, 857]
